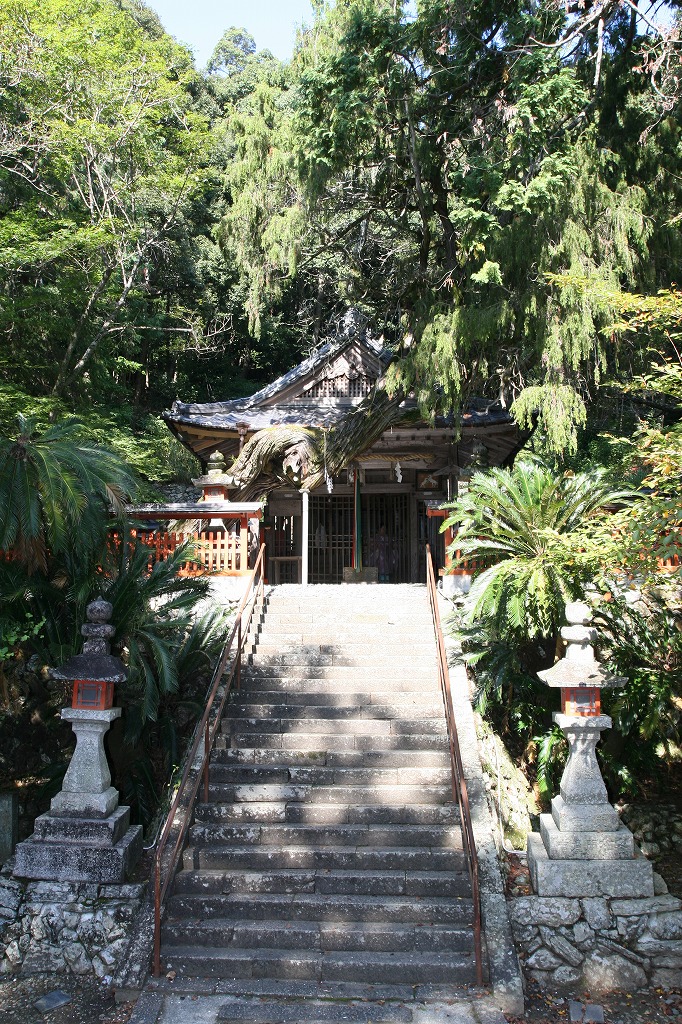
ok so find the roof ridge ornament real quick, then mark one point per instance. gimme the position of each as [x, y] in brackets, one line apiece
[353, 324]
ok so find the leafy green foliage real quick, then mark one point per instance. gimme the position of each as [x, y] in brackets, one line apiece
[534, 525]
[56, 492]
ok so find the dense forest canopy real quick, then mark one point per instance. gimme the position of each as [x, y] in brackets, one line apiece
[495, 187]
[487, 183]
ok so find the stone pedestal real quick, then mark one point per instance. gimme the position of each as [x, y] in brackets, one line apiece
[87, 791]
[583, 849]
[85, 837]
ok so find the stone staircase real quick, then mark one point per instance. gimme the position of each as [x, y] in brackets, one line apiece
[328, 862]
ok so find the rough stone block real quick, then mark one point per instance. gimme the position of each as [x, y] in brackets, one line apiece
[543, 960]
[637, 907]
[597, 913]
[9, 825]
[658, 947]
[536, 910]
[566, 977]
[667, 978]
[618, 845]
[581, 878]
[11, 895]
[561, 946]
[606, 973]
[666, 925]
[68, 862]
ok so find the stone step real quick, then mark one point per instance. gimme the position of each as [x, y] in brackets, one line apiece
[341, 612]
[342, 726]
[327, 634]
[421, 968]
[327, 776]
[236, 1010]
[373, 996]
[263, 812]
[363, 795]
[347, 907]
[359, 650]
[328, 858]
[429, 708]
[335, 698]
[378, 759]
[367, 658]
[323, 935]
[374, 677]
[326, 741]
[381, 882]
[363, 835]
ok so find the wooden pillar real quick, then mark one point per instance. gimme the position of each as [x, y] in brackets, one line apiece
[305, 530]
[243, 543]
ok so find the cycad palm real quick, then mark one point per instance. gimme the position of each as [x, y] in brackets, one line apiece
[56, 492]
[532, 523]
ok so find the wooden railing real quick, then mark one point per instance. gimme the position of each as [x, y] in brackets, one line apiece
[459, 786]
[219, 552]
[228, 671]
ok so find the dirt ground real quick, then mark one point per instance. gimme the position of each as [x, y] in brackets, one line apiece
[651, 1007]
[90, 1001]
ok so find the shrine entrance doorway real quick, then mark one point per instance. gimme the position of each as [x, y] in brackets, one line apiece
[385, 533]
[386, 536]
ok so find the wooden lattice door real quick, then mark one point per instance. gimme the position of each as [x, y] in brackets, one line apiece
[386, 535]
[330, 541]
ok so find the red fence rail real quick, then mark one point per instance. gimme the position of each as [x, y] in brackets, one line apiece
[222, 553]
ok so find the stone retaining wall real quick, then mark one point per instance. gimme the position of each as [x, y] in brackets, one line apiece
[65, 927]
[599, 944]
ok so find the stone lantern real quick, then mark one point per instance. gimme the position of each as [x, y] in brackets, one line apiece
[214, 484]
[583, 848]
[85, 836]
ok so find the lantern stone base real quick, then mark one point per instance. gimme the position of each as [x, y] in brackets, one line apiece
[552, 876]
[99, 850]
[619, 845]
[91, 831]
[584, 817]
[85, 805]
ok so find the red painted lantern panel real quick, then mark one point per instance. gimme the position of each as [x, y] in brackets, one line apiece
[92, 695]
[581, 701]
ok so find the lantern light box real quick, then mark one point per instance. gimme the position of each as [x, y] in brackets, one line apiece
[92, 694]
[581, 701]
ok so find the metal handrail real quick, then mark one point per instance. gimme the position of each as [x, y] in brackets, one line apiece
[459, 786]
[205, 734]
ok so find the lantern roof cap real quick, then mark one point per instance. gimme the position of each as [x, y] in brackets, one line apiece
[567, 673]
[95, 664]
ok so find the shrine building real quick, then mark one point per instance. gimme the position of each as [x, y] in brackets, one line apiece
[374, 519]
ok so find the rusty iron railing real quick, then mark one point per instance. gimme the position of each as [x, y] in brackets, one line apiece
[459, 786]
[196, 771]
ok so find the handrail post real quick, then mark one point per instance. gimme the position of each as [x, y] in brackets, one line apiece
[207, 751]
[157, 916]
[239, 655]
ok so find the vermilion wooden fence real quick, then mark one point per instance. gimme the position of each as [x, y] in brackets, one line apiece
[221, 553]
